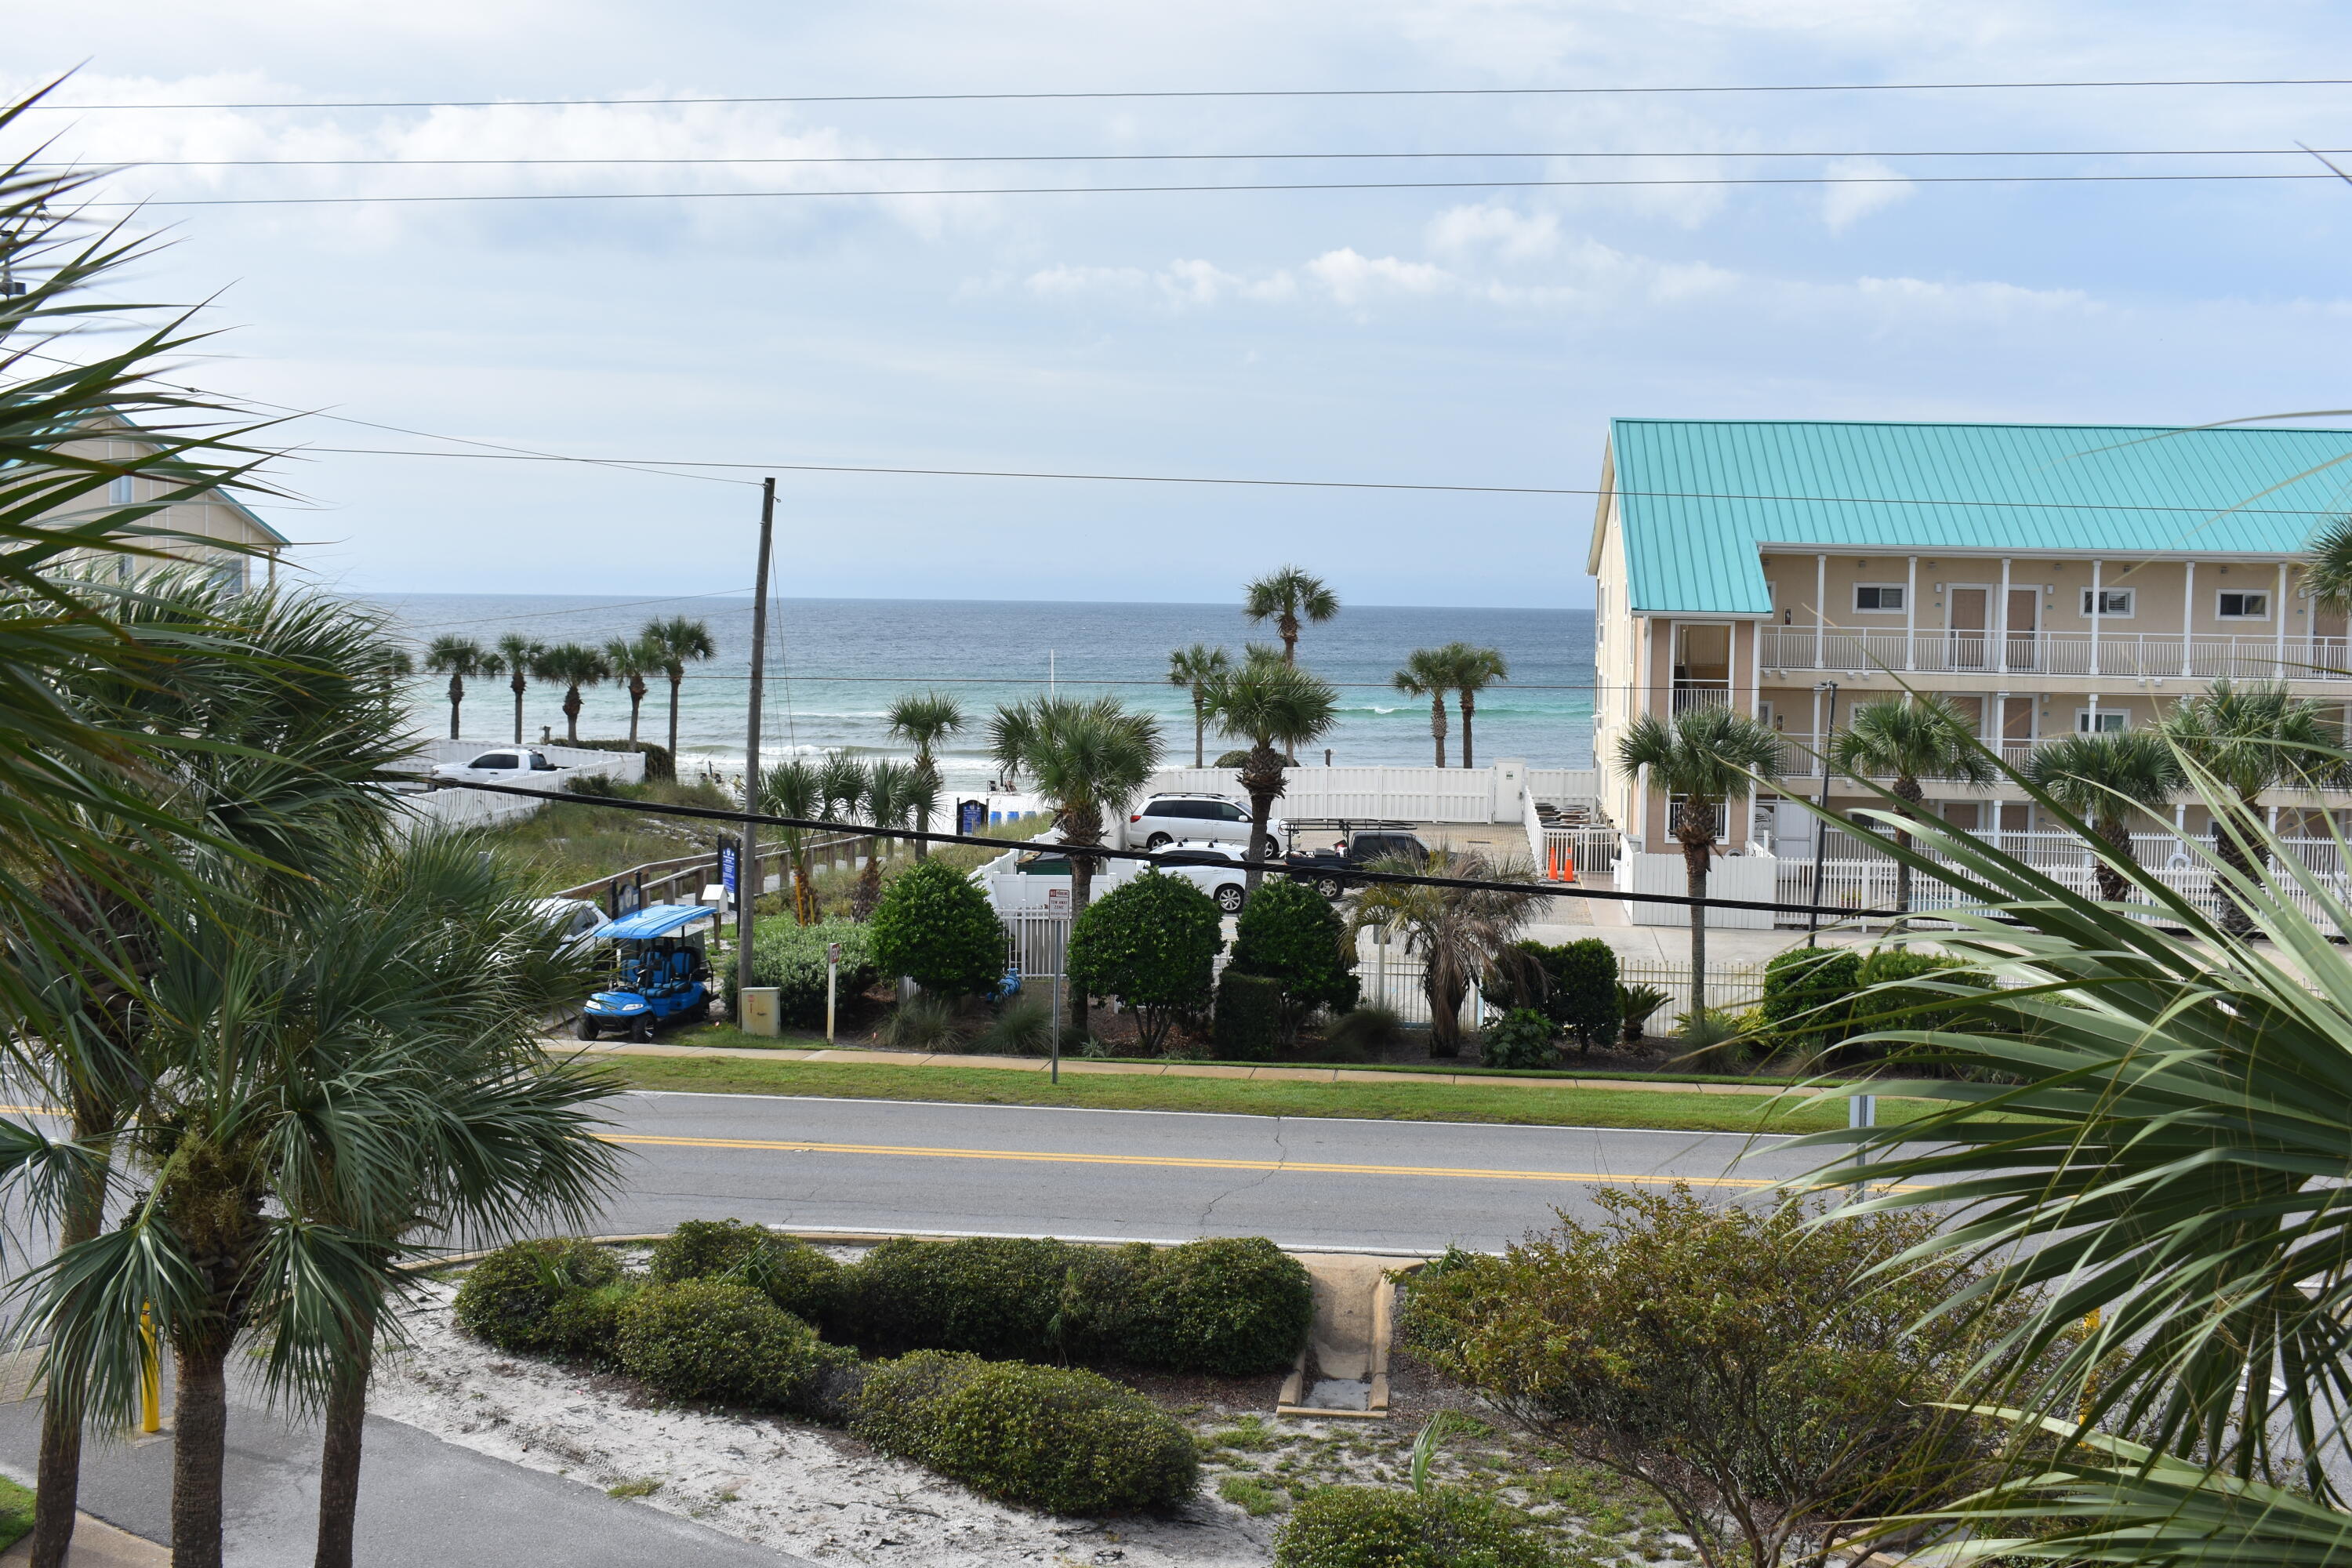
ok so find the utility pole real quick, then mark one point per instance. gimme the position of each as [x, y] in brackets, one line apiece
[747, 923]
[1822, 828]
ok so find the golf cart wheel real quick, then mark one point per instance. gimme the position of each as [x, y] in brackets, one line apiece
[1158, 841]
[641, 1027]
[587, 1028]
[1229, 899]
[1329, 886]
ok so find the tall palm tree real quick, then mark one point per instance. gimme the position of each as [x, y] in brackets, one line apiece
[1471, 671]
[2251, 737]
[632, 662]
[571, 666]
[1426, 674]
[1086, 756]
[1011, 732]
[2108, 781]
[521, 656]
[682, 642]
[1286, 596]
[1463, 935]
[1706, 757]
[792, 788]
[923, 722]
[1198, 670]
[461, 659]
[1909, 739]
[2328, 570]
[889, 800]
[1276, 708]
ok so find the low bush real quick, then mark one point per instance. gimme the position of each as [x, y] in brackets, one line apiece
[585, 1324]
[922, 1022]
[993, 1296]
[791, 957]
[1635, 1004]
[1290, 935]
[1583, 1000]
[1056, 1438]
[1883, 1002]
[1380, 1527]
[508, 1299]
[1023, 1027]
[1714, 1039]
[1368, 1032]
[1806, 996]
[934, 927]
[1152, 944]
[713, 1338]
[1234, 1305]
[1248, 1023]
[660, 766]
[788, 1272]
[1523, 1038]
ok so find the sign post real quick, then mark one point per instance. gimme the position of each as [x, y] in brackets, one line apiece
[832, 978]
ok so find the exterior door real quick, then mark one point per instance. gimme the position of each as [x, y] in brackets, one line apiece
[2024, 611]
[1966, 620]
[2016, 730]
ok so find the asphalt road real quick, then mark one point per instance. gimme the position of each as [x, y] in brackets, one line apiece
[897, 1165]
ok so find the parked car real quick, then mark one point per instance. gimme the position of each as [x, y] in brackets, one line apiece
[505, 765]
[1361, 843]
[1163, 819]
[576, 920]
[1217, 869]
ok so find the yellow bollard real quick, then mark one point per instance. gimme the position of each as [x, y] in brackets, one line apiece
[150, 1376]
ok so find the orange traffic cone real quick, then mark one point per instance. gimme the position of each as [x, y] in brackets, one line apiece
[1567, 866]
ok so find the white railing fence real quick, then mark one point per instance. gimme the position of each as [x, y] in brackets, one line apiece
[2132, 655]
[1860, 885]
[456, 809]
[1494, 794]
[1729, 985]
[1035, 942]
[1388, 976]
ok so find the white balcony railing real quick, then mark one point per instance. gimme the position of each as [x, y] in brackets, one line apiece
[2111, 654]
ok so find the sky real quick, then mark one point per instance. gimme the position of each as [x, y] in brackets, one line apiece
[1477, 335]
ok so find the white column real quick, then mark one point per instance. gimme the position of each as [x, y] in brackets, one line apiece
[1911, 616]
[2187, 611]
[2278, 603]
[2097, 585]
[1821, 606]
[2001, 621]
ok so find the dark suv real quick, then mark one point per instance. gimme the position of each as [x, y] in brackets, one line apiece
[1359, 845]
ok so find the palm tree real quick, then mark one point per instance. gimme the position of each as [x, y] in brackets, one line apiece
[792, 788]
[1286, 596]
[682, 642]
[571, 666]
[461, 659]
[2247, 739]
[1909, 739]
[1198, 670]
[1701, 758]
[520, 656]
[1469, 671]
[1426, 674]
[923, 722]
[2108, 781]
[632, 662]
[1463, 935]
[1011, 732]
[1276, 708]
[2328, 573]
[1086, 756]
[888, 801]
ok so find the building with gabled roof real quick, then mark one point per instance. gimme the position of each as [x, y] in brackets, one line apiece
[248, 546]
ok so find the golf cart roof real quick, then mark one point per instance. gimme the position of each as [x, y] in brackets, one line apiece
[653, 921]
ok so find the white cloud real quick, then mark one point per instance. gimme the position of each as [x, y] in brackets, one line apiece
[1066, 282]
[1351, 279]
[1841, 205]
[1511, 233]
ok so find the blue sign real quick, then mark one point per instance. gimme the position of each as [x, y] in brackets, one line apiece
[972, 818]
[727, 853]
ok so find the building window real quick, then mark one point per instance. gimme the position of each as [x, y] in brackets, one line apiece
[1878, 598]
[2100, 721]
[2242, 605]
[2112, 602]
[122, 490]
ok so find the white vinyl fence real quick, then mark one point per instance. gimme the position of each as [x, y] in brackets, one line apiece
[1035, 942]
[455, 810]
[1734, 986]
[1388, 976]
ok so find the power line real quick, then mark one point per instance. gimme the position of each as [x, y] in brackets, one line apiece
[1160, 158]
[1183, 190]
[1227, 92]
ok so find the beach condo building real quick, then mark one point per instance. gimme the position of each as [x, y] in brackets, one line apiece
[2047, 580]
[221, 532]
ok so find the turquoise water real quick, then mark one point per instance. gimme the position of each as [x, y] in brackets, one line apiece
[834, 664]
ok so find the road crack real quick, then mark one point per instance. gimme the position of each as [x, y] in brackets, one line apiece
[1281, 1159]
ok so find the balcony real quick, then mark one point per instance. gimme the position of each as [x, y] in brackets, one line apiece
[2115, 656]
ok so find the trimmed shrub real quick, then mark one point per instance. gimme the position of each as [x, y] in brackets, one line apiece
[1881, 998]
[1523, 1038]
[712, 1339]
[935, 928]
[1378, 1527]
[1248, 1024]
[1583, 1000]
[508, 1298]
[993, 1296]
[1234, 1305]
[1806, 992]
[585, 1323]
[1290, 933]
[1056, 1438]
[788, 1272]
[791, 957]
[1150, 942]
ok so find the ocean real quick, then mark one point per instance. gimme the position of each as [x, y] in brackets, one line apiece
[834, 664]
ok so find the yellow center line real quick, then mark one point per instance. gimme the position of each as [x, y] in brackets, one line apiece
[1175, 1162]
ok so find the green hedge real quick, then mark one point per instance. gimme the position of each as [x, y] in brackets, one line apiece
[712, 1339]
[1378, 1527]
[1152, 944]
[791, 957]
[993, 1296]
[1523, 1038]
[935, 928]
[509, 1298]
[1290, 933]
[1230, 1304]
[1248, 1024]
[1806, 995]
[791, 1273]
[1056, 1438]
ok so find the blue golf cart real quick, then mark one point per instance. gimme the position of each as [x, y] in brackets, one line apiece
[660, 972]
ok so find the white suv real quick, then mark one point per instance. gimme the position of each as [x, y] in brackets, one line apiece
[1165, 818]
[1217, 869]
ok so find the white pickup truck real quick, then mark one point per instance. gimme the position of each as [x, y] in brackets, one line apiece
[520, 766]
[1039, 879]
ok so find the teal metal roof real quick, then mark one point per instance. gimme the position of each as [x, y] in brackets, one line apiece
[1699, 497]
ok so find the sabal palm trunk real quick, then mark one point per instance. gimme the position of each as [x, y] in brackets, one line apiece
[339, 1458]
[517, 685]
[1469, 709]
[2235, 918]
[1696, 831]
[636, 701]
[1906, 790]
[1437, 724]
[58, 1483]
[1082, 893]
[1446, 994]
[457, 696]
[199, 1449]
[1200, 726]
[2113, 886]
[572, 714]
[1262, 778]
[675, 679]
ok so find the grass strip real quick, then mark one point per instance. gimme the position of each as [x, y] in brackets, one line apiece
[1405, 1101]
[16, 1513]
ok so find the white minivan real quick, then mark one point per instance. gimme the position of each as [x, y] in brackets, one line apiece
[1163, 819]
